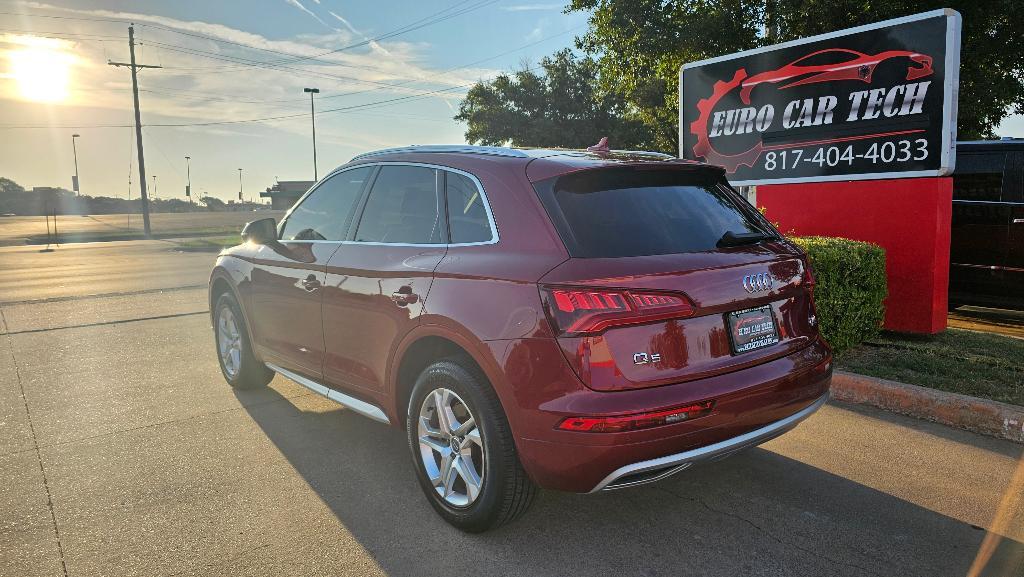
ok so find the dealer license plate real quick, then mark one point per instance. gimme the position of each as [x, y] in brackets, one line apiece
[752, 329]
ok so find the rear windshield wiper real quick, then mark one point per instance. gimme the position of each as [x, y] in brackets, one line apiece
[731, 238]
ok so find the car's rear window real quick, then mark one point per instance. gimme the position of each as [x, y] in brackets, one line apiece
[620, 212]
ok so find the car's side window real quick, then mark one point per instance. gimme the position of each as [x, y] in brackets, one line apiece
[403, 207]
[325, 213]
[467, 216]
[979, 177]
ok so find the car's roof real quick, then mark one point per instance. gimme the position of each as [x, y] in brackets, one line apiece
[515, 152]
[543, 162]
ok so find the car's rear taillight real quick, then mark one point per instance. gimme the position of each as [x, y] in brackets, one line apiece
[623, 423]
[579, 311]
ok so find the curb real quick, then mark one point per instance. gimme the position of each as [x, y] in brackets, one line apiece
[983, 416]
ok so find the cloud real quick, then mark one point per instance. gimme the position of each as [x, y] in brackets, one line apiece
[538, 31]
[299, 5]
[194, 88]
[371, 43]
[531, 7]
[345, 22]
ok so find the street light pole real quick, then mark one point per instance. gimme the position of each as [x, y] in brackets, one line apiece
[188, 173]
[154, 186]
[239, 185]
[312, 117]
[75, 150]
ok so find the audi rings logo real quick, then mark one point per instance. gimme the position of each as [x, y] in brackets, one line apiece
[761, 281]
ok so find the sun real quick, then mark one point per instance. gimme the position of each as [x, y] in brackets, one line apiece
[41, 69]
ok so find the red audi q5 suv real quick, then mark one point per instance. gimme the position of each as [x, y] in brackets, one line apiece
[572, 320]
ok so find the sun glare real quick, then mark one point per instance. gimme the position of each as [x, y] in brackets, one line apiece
[41, 69]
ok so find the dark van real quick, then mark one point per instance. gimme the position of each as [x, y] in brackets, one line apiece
[987, 245]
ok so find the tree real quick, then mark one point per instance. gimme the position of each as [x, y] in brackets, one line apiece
[213, 203]
[563, 107]
[641, 44]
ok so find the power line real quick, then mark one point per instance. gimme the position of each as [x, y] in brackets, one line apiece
[346, 109]
[249, 64]
[63, 35]
[440, 73]
[371, 105]
[429, 20]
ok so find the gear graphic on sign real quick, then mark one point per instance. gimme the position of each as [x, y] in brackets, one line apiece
[699, 128]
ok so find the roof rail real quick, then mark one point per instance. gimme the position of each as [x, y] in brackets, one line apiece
[449, 148]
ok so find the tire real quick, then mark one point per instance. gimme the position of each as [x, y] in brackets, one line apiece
[504, 491]
[241, 368]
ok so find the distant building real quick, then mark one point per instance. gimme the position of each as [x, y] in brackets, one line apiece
[284, 194]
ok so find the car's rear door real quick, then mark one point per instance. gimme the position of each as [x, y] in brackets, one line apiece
[378, 280]
[288, 277]
[980, 227]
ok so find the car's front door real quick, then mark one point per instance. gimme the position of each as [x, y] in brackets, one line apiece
[377, 282]
[288, 276]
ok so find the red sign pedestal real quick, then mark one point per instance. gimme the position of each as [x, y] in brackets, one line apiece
[909, 217]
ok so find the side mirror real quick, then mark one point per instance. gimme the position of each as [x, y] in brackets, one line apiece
[262, 231]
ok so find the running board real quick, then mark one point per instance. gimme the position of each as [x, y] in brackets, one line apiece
[362, 407]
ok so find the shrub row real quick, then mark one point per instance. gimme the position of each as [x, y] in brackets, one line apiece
[850, 288]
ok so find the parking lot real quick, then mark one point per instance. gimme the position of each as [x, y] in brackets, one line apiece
[123, 452]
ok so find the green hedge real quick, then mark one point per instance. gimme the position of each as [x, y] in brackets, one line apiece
[850, 287]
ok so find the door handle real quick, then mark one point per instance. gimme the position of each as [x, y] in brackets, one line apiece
[404, 296]
[310, 283]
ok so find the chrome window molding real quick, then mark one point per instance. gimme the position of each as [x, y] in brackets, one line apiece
[476, 181]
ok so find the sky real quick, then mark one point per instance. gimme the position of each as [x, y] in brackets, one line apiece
[390, 73]
[405, 87]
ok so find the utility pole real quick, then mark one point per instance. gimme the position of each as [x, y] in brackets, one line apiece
[188, 176]
[312, 116]
[239, 185]
[75, 150]
[154, 187]
[138, 125]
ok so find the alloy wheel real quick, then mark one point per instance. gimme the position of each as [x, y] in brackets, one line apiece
[451, 449]
[229, 341]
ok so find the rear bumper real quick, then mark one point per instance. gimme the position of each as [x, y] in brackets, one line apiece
[752, 406]
[657, 469]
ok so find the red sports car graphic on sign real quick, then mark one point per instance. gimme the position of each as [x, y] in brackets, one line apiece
[841, 64]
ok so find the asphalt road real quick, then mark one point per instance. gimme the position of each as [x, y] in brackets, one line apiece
[123, 452]
[15, 229]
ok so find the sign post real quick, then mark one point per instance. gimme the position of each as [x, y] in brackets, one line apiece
[851, 133]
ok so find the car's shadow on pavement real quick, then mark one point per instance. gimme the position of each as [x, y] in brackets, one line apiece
[757, 513]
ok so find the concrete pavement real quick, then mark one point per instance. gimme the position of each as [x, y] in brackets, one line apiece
[123, 452]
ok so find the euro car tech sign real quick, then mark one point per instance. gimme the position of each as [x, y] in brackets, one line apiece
[877, 101]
